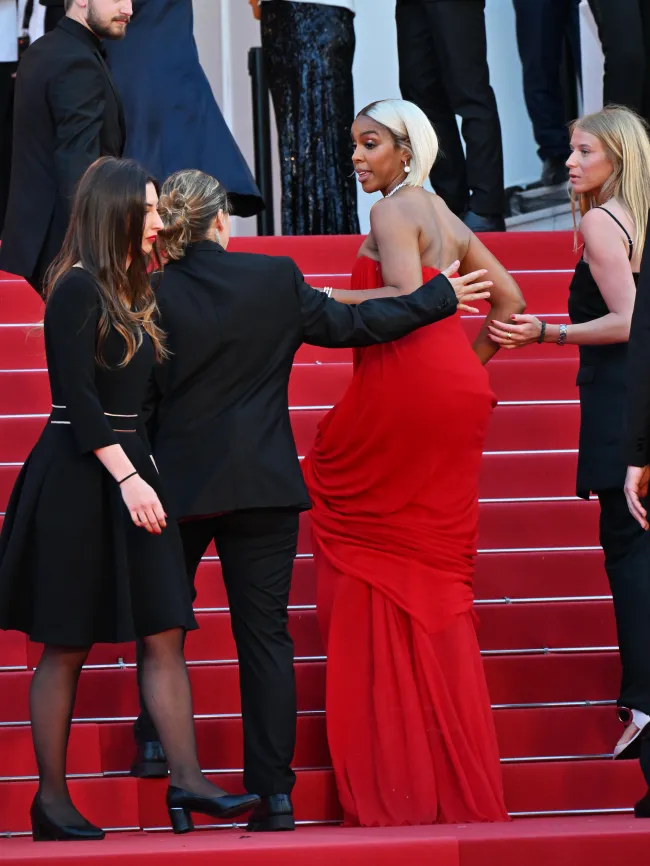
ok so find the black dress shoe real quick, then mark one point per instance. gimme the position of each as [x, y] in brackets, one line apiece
[150, 761]
[642, 808]
[180, 805]
[484, 223]
[275, 812]
[44, 829]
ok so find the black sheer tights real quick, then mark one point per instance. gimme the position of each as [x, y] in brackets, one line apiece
[166, 690]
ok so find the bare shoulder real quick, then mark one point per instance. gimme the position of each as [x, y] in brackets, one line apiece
[387, 211]
[601, 233]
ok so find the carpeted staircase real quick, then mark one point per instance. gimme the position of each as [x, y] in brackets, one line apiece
[546, 629]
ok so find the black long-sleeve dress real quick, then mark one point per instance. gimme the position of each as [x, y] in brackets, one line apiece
[74, 568]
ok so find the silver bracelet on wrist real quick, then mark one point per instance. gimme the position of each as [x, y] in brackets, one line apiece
[561, 340]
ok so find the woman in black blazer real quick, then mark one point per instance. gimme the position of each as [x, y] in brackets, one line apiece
[223, 442]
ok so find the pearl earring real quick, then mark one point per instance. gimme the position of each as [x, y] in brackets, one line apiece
[407, 167]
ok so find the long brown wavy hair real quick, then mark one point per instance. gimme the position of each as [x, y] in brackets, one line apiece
[105, 231]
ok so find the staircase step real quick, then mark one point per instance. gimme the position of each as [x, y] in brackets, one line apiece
[555, 574]
[23, 392]
[110, 693]
[522, 626]
[109, 747]
[529, 787]
[503, 476]
[512, 428]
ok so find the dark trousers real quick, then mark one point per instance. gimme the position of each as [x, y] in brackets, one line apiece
[627, 562]
[542, 30]
[53, 14]
[624, 30]
[7, 71]
[443, 69]
[256, 549]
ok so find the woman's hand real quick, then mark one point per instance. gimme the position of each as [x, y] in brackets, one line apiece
[143, 504]
[517, 333]
[466, 289]
[257, 10]
[636, 489]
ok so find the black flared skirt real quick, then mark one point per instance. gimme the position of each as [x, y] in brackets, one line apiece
[74, 568]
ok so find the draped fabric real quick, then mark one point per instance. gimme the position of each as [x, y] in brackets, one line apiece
[393, 477]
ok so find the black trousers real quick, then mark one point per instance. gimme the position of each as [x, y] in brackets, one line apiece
[624, 30]
[627, 562]
[443, 69]
[256, 549]
[542, 29]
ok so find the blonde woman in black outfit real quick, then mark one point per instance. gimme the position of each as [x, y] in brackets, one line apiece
[222, 440]
[609, 171]
[87, 553]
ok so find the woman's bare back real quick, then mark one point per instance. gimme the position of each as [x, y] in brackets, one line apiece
[442, 237]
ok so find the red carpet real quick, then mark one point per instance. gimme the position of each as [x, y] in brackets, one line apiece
[546, 631]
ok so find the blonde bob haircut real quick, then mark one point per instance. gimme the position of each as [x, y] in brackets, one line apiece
[411, 130]
[624, 136]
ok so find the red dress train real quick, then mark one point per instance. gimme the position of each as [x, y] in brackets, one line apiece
[393, 477]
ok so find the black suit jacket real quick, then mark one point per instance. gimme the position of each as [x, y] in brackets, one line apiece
[637, 427]
[221, 432]
[66, 115]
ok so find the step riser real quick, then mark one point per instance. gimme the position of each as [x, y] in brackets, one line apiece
[558, 625]
[502, 477]
[512, 680]
[109, 747]
[514, 525]
[125, 802]
[324, 384]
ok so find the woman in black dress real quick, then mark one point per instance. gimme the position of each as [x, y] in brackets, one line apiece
[609, 171]
[86, 552]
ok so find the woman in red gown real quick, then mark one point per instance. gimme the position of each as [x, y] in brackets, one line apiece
[393, 477]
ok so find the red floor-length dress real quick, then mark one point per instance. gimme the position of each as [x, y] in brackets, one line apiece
[393, 477]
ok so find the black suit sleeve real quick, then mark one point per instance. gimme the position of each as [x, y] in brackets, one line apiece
[71, 317]
[637, 434]
[77, 97]
[328, 323]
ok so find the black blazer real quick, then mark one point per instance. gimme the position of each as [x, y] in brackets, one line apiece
[636, 450]
[221, 432]
[66, 115]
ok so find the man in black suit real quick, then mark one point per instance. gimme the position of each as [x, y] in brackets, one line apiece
[443, 69]
[67, 114]
[54, 12]
[222, 439]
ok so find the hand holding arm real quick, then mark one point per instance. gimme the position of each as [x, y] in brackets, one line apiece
[611, 270]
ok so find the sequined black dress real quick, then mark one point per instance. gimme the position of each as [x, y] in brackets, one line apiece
[308, 51]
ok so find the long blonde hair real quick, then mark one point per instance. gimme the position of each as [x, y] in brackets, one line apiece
[624, 135]
[412, 130]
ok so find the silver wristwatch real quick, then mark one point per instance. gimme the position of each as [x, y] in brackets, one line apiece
[561, 340]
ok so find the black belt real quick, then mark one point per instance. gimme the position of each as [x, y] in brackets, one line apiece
[119, 423]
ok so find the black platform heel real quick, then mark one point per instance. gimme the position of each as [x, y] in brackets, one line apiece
[180, 805]
[44, 829]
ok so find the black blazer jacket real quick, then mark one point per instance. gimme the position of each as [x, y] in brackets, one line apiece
[637, 427]
[67, 114]
[221, 432]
